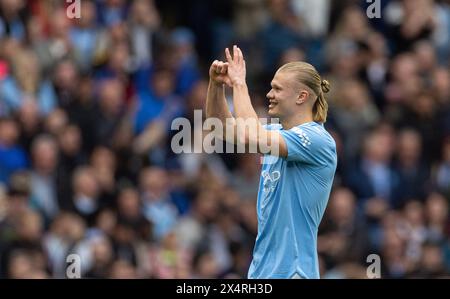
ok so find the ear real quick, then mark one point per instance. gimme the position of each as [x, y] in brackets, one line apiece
[302, 97]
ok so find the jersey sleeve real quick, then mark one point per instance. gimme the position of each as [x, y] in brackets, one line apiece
[309, 145]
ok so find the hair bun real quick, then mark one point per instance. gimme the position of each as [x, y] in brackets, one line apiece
[325, 85]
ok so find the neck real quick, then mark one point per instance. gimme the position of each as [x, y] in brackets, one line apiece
[295, 120]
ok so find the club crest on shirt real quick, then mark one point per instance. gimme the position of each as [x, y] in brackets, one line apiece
[269, 180]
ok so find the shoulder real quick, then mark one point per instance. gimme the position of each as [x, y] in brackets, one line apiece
[310, 143]
[314, 134]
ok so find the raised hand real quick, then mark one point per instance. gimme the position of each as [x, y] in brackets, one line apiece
[236, 66]
[218, 73]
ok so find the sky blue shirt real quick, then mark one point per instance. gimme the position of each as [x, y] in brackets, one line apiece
[292, 197]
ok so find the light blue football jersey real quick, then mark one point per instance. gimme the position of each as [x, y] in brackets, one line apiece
[292, 197]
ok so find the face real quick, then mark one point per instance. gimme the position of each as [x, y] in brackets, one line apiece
[342, 205]
[86, 184]
[45, 156]
[9, 132]
[128, 202]
[154, 180]
[163, 83]
[66, 75]
[111, 97]
[284, 96]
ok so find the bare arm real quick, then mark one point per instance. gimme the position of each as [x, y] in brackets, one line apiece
[216, 103]
[258, 135]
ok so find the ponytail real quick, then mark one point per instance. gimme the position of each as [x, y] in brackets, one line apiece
[320, 108]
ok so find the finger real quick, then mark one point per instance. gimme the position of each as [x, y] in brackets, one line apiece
[216, 66]
[235, 56]
[241, 55]
[224, 68]
[228, 55]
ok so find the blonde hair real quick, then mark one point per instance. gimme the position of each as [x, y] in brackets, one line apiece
[307, 74]
[26, 69]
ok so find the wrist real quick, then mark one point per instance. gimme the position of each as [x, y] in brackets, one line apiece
[239, 83]
[215, 84]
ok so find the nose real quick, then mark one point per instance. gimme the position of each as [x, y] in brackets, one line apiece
[269, 95]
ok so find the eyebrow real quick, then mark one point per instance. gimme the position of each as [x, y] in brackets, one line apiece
[275, 85]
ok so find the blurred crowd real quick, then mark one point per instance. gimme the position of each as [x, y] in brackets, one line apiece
[86, 106]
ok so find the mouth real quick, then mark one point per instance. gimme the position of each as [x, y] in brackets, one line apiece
[272, 104]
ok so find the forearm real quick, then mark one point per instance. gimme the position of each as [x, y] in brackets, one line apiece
[217, 107]
[248, 127]
[242, 103]
[216, 103]
[253, 130]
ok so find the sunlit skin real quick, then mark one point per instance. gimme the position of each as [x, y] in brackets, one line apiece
[290, 101]
[285, 96]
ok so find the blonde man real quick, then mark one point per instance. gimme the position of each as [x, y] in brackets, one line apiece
[297, 171]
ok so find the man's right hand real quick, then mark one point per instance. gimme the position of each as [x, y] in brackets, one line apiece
[218, 73]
